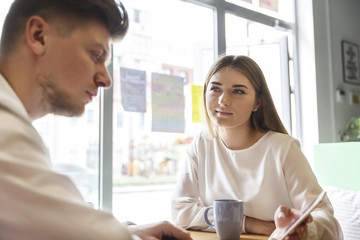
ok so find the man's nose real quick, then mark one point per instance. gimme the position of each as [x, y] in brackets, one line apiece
[102, 78]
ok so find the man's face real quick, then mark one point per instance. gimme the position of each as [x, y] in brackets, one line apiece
[73, 67]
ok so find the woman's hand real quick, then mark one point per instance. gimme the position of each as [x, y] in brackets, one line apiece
[158, 231]
[284, 216]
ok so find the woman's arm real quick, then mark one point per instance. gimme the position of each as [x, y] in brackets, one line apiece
[253, 225]
[187, 208]
[186, 205]
[303, 188]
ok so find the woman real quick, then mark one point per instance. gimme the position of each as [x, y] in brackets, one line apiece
[245, 153]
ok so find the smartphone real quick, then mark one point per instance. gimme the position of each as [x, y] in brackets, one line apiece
[281, 235]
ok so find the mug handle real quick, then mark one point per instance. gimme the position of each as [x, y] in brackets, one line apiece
[206, 217]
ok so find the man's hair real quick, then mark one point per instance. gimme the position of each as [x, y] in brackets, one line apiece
[266, 117]
[68, 13]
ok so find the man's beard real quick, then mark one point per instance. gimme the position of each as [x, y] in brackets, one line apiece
[59, 102]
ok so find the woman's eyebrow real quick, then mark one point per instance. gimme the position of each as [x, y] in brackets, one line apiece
[216, 83]
[239, 86]
[234, 86]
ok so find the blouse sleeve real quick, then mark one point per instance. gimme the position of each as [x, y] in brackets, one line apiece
[187, 208]
[302, 184]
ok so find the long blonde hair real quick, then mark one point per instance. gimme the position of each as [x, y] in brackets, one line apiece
[266, 117]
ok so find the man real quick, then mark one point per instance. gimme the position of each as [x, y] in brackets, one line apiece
[52, 60]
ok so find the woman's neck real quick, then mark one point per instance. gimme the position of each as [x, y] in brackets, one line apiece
[241, 138]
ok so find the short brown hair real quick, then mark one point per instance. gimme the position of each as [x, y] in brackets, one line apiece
[113, 15]
[266, 117]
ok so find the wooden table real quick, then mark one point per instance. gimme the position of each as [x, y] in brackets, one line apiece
[198, 235]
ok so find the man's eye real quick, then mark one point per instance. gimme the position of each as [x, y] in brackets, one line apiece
[97, 57]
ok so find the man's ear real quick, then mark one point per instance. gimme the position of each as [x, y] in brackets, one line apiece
[35, 34]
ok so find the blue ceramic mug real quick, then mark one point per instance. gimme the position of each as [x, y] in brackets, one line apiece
[228, 217]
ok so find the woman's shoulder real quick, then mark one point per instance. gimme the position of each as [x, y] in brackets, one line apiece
[280, 138]
[200, 145]
[202, 141]
[202, 138]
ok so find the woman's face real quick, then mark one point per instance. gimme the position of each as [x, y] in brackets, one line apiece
[230, 99]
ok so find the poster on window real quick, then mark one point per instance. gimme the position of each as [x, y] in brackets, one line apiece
[272, 5]
[168, 103]
[133, 90]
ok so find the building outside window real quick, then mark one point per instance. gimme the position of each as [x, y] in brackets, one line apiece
[176, 52]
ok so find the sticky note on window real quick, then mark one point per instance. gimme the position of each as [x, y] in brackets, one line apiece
[196, 96]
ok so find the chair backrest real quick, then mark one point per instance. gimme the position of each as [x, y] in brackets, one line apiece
[337, 167]
[338, 164]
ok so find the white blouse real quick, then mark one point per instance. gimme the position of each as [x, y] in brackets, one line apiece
[271, 172]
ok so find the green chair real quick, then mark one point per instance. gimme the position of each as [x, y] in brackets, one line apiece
[337, 167]
[338, 164]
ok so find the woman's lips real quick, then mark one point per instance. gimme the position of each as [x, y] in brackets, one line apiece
[223, 113]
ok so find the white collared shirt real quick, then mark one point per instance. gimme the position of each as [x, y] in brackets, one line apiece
[35, 202]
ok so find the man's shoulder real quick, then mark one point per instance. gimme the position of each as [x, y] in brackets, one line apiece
[9, 101]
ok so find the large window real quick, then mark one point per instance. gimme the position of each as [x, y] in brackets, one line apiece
[74, 148]
[172, 47]
[127, 149]
[269, 47]
[164, 53]
[280, 9]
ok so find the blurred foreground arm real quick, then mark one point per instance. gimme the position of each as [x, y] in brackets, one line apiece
[158, 231]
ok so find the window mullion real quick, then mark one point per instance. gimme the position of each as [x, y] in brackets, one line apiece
[106, 146]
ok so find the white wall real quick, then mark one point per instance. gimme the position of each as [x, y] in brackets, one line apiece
[334, 21]
[345, 25]
[322, 25]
